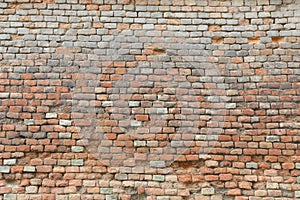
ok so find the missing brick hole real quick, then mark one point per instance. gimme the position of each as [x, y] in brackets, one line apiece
[15, 121]
[131, 2]
[48, 1]
[61, 106]
[16, 37]
[32, 155]
[142, 196]
[13, 5]
[217, 40]
[126, 2]
[214, 28]
[187, 164]
[291, 118]
[253, 40]
[284, 159]
[11, 182]
[277, 39]
[158, 51]
[256, 158]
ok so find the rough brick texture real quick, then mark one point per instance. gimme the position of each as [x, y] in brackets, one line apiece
[148, 99]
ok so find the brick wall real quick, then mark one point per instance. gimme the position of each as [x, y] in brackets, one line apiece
[149, 99]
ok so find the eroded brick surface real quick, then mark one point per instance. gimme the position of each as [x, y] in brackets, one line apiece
[140, 99]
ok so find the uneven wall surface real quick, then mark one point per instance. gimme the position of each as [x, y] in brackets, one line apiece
[149, 99]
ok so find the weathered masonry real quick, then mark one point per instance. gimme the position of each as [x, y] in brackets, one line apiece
[149, 99]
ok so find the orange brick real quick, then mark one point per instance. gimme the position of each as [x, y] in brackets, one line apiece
[234, 192]
[225, 177]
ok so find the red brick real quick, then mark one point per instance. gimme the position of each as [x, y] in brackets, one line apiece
[225, 177]
[211, 177]
[44, 169]
[17, 169]
[155, 191]
[230, 184]
[185, 178]
[288, 165]
[245, 185]
[5, 190]
[234, 192]
[48, 183]
[142, 117]
[275, 152]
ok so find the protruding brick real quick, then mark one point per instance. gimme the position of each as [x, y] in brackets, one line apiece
[134, 103]
[77, 149]
[208, 191]
[107, 103]
[65, 135]
[51, 115]
[211, 163]
[63, 122]
[272, 139]
[9, 161]
[77, 162]
[200, 137]
[251, 165]
[28, 122]
[4, 95]
[138, 143]
[100, 90]
[135, 123]
[4, 169]
[29, 169]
